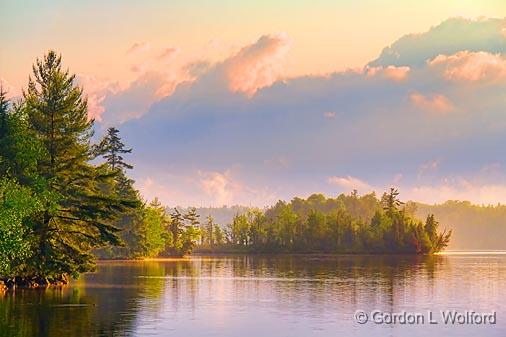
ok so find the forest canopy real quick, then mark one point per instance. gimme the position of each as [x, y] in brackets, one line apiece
[346, 224]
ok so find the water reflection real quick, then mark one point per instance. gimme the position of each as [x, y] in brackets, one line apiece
[260, 295]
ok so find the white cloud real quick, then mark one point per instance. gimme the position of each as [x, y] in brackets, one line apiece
[219, 186]
[349, 183]
[471, 66]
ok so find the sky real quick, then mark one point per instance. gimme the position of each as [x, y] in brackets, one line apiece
[248, 102]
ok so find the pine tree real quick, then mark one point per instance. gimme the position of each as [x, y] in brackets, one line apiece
[207, 231]
[76, 216]
[192, 217]
[391, 202]
[111, 148]
[176, 228]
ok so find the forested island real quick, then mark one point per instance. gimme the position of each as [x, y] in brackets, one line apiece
[66, 201]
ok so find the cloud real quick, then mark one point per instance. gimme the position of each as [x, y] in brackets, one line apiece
[329, 114]
[349, 183]
[139, 67]
[112, 103]
[202, 188]
[168, 54]
[391, 72]
[219, 185]
[96, 90]
[447, 38]
[429, 166]
[135, 99]
[138, 47]
[257, 65]
[206, 124]
[437, 103]
[207, 117]
[471, 66]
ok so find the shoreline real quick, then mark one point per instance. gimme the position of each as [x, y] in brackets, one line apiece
[274, 254]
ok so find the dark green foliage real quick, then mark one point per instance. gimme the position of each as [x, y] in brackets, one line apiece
[346, 224]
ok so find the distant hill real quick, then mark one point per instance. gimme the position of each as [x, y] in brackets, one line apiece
[474, 227]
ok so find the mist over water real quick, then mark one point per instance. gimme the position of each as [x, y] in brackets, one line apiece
[264, 296]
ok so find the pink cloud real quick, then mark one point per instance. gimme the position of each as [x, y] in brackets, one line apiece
[96, 91]
[257, 65]
[139, 47]
[168, 54]
[471, 66]
[113, 103]
[139, 67]
[225, 188]
[391, 72]
[436, 103]
[136, 98]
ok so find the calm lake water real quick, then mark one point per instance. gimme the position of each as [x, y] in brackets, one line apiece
[265, 296]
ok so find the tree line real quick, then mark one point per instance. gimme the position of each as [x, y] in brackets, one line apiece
[346, 224]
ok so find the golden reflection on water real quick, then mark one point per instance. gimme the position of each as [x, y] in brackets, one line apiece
[260, 296]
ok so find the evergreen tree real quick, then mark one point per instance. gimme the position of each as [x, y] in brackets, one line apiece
[391, 201]
[207, 231]
[76, 216]
[192, 217]
[132, 223]
[176, 225]
[111, 148]
[155, 226]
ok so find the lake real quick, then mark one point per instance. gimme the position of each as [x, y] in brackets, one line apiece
[268, 296]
